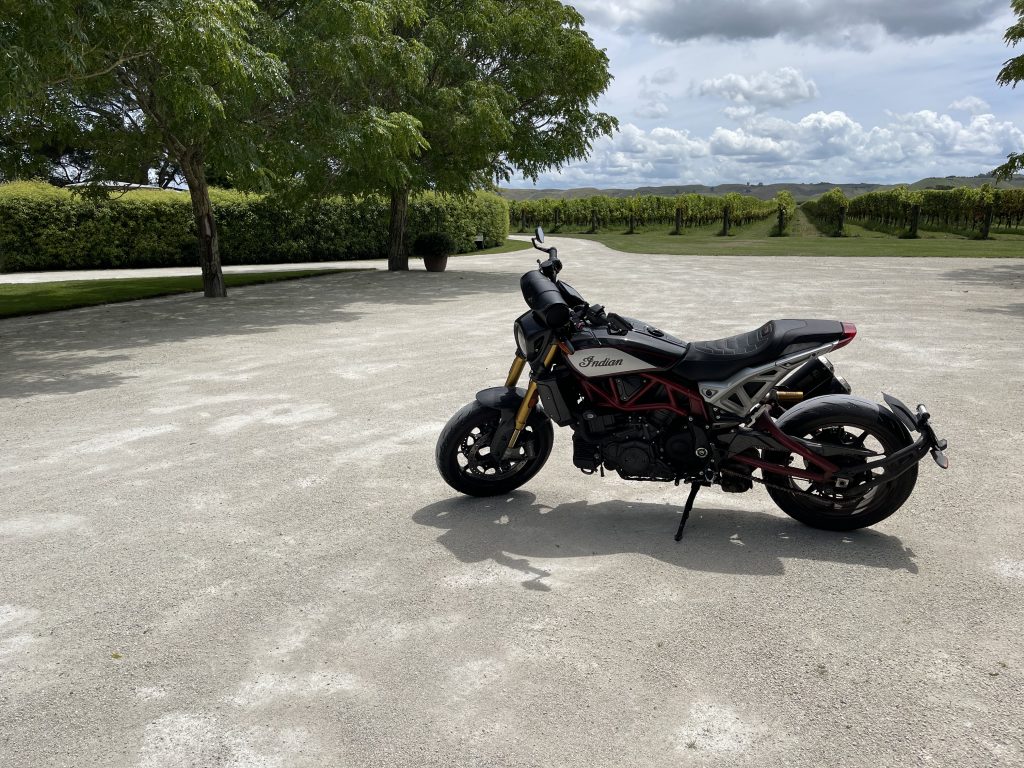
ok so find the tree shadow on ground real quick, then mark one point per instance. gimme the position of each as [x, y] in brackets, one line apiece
[1002, 275]
[511, 529]
[65, 352]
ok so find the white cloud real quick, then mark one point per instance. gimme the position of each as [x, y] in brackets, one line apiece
[819, 146]
[853, 23]
[652, 109]
[970, 104]
[766, 89]
[664, 76]
[653, 101]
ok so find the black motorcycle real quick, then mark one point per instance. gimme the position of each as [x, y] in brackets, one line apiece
[649, 406]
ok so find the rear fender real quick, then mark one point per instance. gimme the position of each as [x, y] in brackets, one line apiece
[802, 413]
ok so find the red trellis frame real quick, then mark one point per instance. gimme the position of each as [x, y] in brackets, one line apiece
[685, 402]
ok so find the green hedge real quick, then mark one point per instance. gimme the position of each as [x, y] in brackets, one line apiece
[45, 228]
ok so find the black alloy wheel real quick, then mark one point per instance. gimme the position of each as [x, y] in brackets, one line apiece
[470, 464]
[823, 505]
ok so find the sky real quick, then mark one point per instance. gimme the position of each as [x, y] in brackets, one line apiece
[801, 91]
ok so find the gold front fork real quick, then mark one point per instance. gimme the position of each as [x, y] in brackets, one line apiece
[515, 371]
[530, 400]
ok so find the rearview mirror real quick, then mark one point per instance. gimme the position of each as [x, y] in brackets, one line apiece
[540, 235]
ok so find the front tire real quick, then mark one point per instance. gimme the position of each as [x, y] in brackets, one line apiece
[843, 421]
[464, 456]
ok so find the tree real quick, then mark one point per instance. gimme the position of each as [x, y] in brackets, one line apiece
[1011, 74]
[510, 86]
[280, 94]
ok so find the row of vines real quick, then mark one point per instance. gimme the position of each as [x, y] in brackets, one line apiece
[592, 214]
[904, 211]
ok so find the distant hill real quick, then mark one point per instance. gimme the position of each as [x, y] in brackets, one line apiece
[762, 191]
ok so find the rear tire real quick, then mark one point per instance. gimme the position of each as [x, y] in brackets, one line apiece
[464, 458]
[848, 421]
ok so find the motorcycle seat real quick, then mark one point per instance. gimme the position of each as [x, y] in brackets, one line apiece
[719, 359]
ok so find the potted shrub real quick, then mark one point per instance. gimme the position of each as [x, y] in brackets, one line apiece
[434, 248]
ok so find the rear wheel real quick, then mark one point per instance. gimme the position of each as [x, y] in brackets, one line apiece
[470, 464]
[822, 505]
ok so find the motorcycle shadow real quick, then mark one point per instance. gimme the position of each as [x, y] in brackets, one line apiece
[511, 529]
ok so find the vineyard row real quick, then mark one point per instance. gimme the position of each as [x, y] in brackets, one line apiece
[682, 212]
[955, 210]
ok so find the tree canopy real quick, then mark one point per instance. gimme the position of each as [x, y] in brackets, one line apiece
[271, 94]
[1011, 74]
[510, 85]
[297, 96]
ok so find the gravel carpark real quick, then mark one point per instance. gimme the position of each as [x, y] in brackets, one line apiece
[223, 541]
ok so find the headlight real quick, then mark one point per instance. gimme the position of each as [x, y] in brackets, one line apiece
[521, 340]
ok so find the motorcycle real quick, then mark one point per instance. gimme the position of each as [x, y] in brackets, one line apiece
[652, 407]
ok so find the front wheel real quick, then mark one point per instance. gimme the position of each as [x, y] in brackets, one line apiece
[850, 422]
[467, 462]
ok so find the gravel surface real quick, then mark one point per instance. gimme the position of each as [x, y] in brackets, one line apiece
[224, 541]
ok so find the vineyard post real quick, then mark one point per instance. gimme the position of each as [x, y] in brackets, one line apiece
[987, 222]
[915, 219]
[679, 221]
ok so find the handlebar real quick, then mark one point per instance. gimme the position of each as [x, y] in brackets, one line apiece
[552, 265]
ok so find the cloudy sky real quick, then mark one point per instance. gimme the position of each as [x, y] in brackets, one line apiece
[716, 91]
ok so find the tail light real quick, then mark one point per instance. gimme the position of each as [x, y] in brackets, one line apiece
[849, 331]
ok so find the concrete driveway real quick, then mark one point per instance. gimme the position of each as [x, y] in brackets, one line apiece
[223, 541]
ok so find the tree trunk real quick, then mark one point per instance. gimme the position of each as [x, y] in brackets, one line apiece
[842, 222]
[782, 221]
[398, 256]
[726, 220]
[202, 210]
[679, 222]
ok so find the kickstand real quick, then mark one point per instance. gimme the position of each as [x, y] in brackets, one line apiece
[686, 510]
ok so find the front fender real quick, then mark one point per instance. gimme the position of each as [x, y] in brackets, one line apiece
[507, 400]
[501, 398]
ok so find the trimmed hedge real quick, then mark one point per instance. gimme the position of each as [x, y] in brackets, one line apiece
[46, 228]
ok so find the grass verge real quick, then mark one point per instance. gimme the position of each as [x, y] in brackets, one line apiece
[508, 247]
[803, 240]
[34, 298]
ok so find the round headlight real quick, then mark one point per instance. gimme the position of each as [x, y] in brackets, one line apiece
[521, 340]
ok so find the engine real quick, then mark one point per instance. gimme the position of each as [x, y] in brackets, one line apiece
[654, 446]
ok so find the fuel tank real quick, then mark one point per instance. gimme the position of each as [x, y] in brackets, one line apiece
[600, 352]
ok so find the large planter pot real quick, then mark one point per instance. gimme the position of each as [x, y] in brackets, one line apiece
[435, 263]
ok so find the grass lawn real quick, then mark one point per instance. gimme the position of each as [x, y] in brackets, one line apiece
[804, 240]
[508, 247]
[33, 298]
